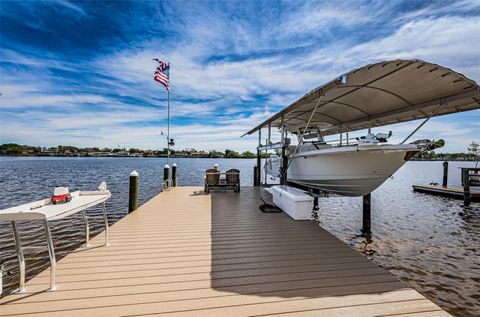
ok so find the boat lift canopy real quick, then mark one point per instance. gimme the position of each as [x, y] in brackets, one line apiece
[379, 94]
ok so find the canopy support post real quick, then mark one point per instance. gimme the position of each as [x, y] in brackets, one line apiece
[259, 160]
[51, 254]
[284, 167]
[21, 258]
[269, 140]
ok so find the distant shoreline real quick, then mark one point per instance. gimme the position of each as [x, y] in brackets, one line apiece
[206, 157]
[126, 156]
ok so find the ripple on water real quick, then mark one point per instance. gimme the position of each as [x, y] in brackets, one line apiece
[430, 243]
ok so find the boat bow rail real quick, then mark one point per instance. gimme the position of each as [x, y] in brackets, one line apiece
[45, 211]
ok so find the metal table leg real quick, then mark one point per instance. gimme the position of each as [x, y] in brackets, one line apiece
[105, 219]
[21, 258]
[51, 254]
[87, 229]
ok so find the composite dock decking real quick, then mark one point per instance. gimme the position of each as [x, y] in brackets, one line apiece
[184, 253]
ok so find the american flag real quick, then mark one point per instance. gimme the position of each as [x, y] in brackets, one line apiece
[161, 74]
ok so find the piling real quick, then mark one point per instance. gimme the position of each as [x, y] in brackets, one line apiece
[133, 192]
[166, 172]
[367, 218]
[466, 186]
[315, 203]
[174, 175]
[255, 176]
[284, 167]
[445, 174]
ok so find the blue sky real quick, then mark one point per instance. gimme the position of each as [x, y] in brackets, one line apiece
[80, 73]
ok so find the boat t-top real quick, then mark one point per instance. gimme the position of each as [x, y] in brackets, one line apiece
[375, 95]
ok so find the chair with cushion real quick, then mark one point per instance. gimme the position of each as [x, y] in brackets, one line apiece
[233, 178]
[212, 178]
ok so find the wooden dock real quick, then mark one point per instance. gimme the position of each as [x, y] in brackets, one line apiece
[185, 253]
[452, 192]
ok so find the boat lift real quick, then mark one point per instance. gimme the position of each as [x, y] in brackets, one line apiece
[45, 211]
[379, 94]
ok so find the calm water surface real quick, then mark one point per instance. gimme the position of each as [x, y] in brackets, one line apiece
[431, 243]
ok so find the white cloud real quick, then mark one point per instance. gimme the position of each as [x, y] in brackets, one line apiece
[220, 67]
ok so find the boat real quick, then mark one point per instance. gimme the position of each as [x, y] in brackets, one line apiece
[368, 97]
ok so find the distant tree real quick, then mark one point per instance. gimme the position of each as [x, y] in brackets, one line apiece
[216, 154]
[474, 148]
[248, 154]
[11, 148]
[134, 150]
[231, 154]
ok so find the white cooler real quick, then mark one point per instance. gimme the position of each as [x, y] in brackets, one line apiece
[295, 202]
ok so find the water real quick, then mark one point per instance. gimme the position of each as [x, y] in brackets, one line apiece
[430, 243]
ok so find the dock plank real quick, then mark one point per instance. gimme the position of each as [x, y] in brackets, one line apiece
[184, 253]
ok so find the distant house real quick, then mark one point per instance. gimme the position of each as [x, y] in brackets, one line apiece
[49, 151]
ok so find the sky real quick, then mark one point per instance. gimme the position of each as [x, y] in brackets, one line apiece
[80, 73]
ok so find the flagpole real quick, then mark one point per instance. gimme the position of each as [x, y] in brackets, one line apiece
[168, 127]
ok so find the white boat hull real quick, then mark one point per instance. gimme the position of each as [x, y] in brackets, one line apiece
[348, 171]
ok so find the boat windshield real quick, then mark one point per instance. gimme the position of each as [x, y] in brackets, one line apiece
[312, 135]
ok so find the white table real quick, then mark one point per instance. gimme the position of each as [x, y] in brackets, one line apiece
[44, 210]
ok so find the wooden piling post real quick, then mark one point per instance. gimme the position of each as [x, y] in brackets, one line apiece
[166, 173]
[174, 175]
[315, 203]
[255, 176]
[133, 192]
[466, 186]
[445, 174]
[367, 218]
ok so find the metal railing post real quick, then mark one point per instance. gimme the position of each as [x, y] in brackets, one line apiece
[105, 220]
[21, 258]
[51, 254]
[87, 228]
